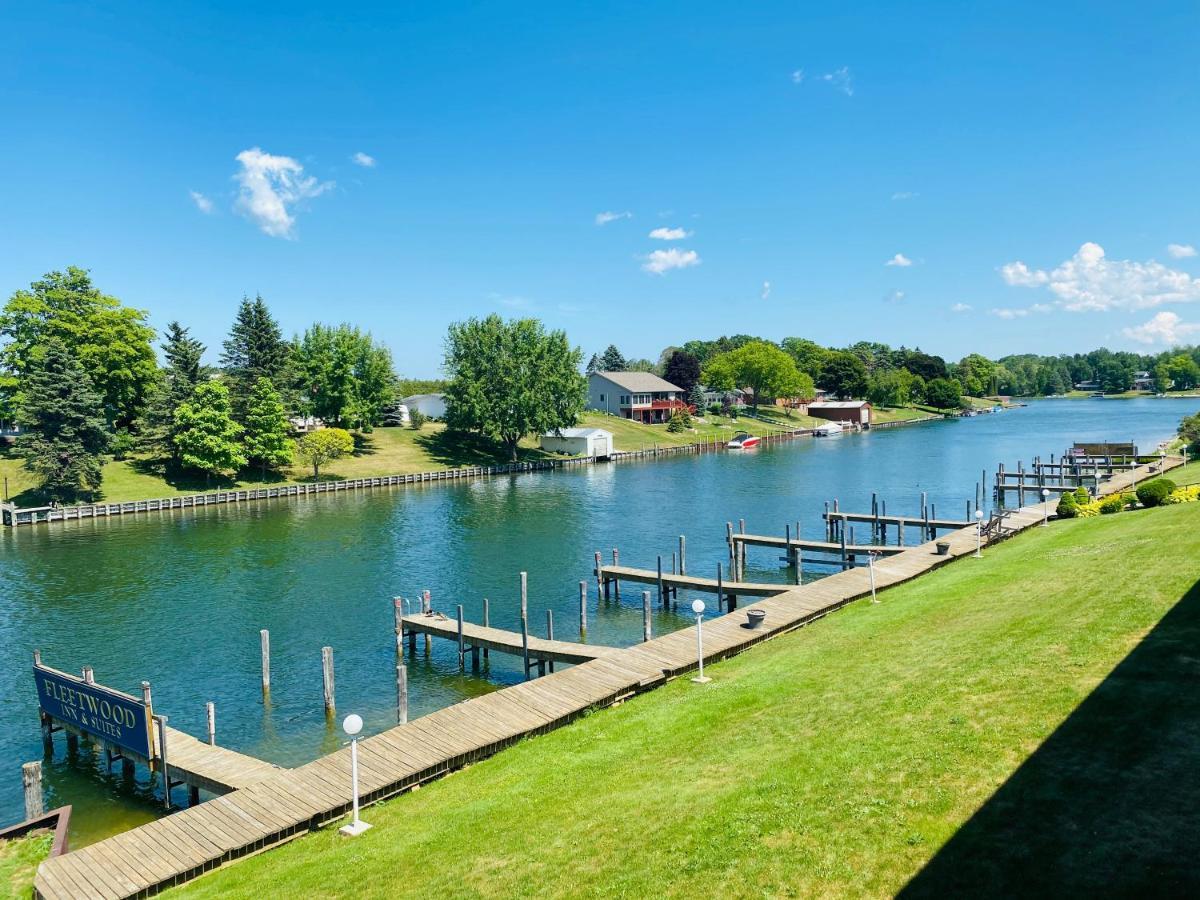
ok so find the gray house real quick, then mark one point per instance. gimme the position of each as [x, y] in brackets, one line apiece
[641, 396]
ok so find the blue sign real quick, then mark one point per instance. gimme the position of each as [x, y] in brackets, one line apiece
[110, 715]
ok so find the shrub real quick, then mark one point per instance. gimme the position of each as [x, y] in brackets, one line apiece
[714, 408]
[1088, 510]
[1189, 494]
[1130, 500]
[1113, 504]
[1082, 496]
[1067, 507]
[416, 419]
[1153, 493]
[121, 444]
[678, 422]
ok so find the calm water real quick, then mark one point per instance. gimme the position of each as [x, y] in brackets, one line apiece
[178, 598]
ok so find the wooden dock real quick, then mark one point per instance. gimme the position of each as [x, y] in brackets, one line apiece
[782, 543]
[485, 637]
[210, 767]
[900, 521]
[609, 574]
[288, 803]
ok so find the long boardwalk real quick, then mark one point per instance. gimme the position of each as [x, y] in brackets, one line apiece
[290, 802]
[485, 637]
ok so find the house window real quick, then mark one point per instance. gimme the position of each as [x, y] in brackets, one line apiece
[601, 398]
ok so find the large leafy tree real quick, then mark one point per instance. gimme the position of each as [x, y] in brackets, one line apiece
[762, 367]
[207, 437]
[176, 382]
[844, 375]
[343, 375]
[810, 356]
[923, 364]
[268, 442]
[510, 379]
[944, 393]
[111, 342]
[682, 369]
[66, 433]
[254, 349]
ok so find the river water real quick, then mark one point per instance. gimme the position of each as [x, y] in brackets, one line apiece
[178, 598]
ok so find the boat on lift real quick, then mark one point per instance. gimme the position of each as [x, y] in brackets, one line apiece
[828, 429]
[743, 440]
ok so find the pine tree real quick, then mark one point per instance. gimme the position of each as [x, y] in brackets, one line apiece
[255, 349]
[267, 443]
[177, 381]
[206, 435]
[593, 365]
[64, 415]
[611, 360]
[696, 398]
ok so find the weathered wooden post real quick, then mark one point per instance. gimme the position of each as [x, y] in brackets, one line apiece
[398, 614]
[616, 582]
[162, 759]
[401, 694]
[327, 679]
[583, 608]
[550, 631]
[682, 555]
[645, 615]
[720, 587]
[828, 523]
[599, 578]
[741, 526]
[845, 557]
[31, 779]
[729, 538]
[210, 710]
[462, 647]
[525, 622]
[427, 608]
[662, 595]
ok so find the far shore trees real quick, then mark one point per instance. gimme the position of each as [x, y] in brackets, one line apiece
[844, 375]
[944, 393]
[268, 442]
[254, 349]
[511, 379]
[66, 432]
[764, 368]
[176, 382]
[319, 447]
[206, 437]
[612, 360]
[343, 375]
[682, 369]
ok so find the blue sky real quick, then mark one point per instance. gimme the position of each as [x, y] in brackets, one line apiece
[1033, 166]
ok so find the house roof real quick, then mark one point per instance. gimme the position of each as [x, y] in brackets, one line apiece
[580, 432]
[641, 382]
[839, 404]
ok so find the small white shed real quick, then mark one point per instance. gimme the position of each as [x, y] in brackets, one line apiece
[579, 442]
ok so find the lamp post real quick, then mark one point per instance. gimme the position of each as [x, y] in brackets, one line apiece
[871, 555]
[698, 609]
[978, 533]
[1045, 507]
[352, 725]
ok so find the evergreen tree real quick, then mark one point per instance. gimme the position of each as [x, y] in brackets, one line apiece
[177, 381]
[268, 443]
[593, 365]
[696, 398]
[206, 435]
[67, 432]
[255, 349]
[611, 360]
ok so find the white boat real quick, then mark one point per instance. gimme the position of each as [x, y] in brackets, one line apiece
[743, 441]
[828, 429]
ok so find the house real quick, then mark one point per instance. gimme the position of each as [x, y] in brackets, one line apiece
[851, 412]
[305, 424]
[1087, 385]
[431, 405]
[1143, 381]
[579, 442]
[641, 396]
[736, 397]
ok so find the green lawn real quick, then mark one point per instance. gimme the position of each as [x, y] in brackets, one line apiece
[884, 414]
[19, 861]
[1028, 721]
[1189, 474]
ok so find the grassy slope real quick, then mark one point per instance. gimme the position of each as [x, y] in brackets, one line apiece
[1189, 474]
[19, 861]
[839, 759]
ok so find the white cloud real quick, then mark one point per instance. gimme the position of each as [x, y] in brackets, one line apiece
[362, 159]
[961, 307]
[1180, 251]
[905, 195]
[1163, 328]
[797, 76]
[605, 217]
[1089, 280]
[893, 297]
[766, 290]
[899, 260]
[669, 234]
[840, 79]
[202, 203]
[270, 187]
[1020, 313]
[660, 261]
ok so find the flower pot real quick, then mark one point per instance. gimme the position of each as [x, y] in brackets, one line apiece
[754, 617]
[943, 548]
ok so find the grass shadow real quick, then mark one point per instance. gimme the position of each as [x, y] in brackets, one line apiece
[464, 448]
[1109, 804]
[364, 444]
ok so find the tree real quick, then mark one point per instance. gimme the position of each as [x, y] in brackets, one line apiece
[268, 442]
[974, 372]
[810, 356]
[206, 437]
[319, 447]
[176, 382]
[682, 369]
[944, 393]
[696, 398]
[66, 432]
[593, 365]
[1183, 371]
[611, 360]
[928, 367]
[343, 375]
[1115, 376]
[510, 379]
[762, 367]
[844, 375]
[254, 349]
[891, 388]
[110, 342]
[1189, 430]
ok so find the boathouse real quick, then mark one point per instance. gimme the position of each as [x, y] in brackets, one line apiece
[641, 396]
[579, 442]
[847, 412]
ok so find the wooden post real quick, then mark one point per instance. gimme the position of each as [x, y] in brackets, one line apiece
[682, 555]
[583, 608]
[662, 596]
[524, 595]
[550, 631]
[845, 558]
[599, 579]
[401, 694]
[462, 647]
[327, 678]
[828, 523]
[31, 778]
[645, 615]
[616, 582]
[427, 608]
[398, 614]
[729, 538]
[525, 622]
[210, 710]
[162, 758]
[741, 526]
[720, 587]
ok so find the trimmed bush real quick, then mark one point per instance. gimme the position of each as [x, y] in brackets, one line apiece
[1067, 507]
[1153, 493]
[1110, 505]
[1082, 496]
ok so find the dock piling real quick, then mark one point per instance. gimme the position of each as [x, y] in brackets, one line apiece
[525, 622]
[550, 631]
[31, 779]
[401, 694]
[264, 639]
[462, 647]
[582, 609]
[645, 615]
[486, 623]
[327, 678]
[210, 710]
[616, 582]
[682, 555]
[662, 594]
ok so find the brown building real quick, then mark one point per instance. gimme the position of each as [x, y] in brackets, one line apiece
[847, 412]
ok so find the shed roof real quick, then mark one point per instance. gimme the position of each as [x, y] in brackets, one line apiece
[579, 432]
[839, 404]
[638, 381]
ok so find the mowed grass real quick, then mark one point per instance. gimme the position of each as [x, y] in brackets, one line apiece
[1024, 722]
[1189, 474]
[19, 860]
